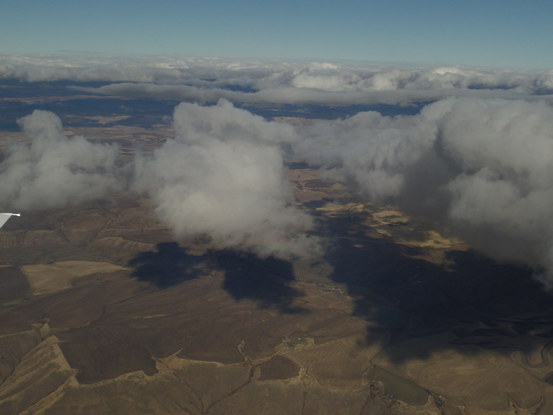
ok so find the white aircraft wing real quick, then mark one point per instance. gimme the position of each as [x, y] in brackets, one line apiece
[5, 216]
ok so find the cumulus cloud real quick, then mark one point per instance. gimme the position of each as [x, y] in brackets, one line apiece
[54, 170]
[502, 198]
[368, 150]
[223, 176]
[482, 167]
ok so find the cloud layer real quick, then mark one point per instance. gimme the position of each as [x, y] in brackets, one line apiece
[204, 80]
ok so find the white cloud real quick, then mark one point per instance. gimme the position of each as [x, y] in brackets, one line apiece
[249, 81]
[504, 151]
[483, 167]
[223, 176]
[479, 159]
[54, 170]
[368, 150]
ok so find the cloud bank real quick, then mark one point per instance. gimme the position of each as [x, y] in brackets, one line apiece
[204, 80]
[501, 200]
[327, 84]
[481, 167]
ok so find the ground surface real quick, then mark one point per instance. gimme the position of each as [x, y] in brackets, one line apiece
[104, 312]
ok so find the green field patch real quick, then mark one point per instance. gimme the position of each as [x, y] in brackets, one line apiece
[401, 388]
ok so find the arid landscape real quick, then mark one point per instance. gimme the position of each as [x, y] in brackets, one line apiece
[105, 311]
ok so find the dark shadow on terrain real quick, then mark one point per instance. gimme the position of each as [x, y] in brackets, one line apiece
[246, 276]
[265, 280]
[480, 302]
[13, 285]
[169, 265]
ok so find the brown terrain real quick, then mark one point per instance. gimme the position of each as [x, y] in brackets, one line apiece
[104, 312]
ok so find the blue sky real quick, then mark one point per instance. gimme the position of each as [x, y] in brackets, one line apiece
[500, 33]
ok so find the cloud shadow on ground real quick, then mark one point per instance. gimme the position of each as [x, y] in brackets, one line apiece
[168, 265]
[267, 281]
[477, 300]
